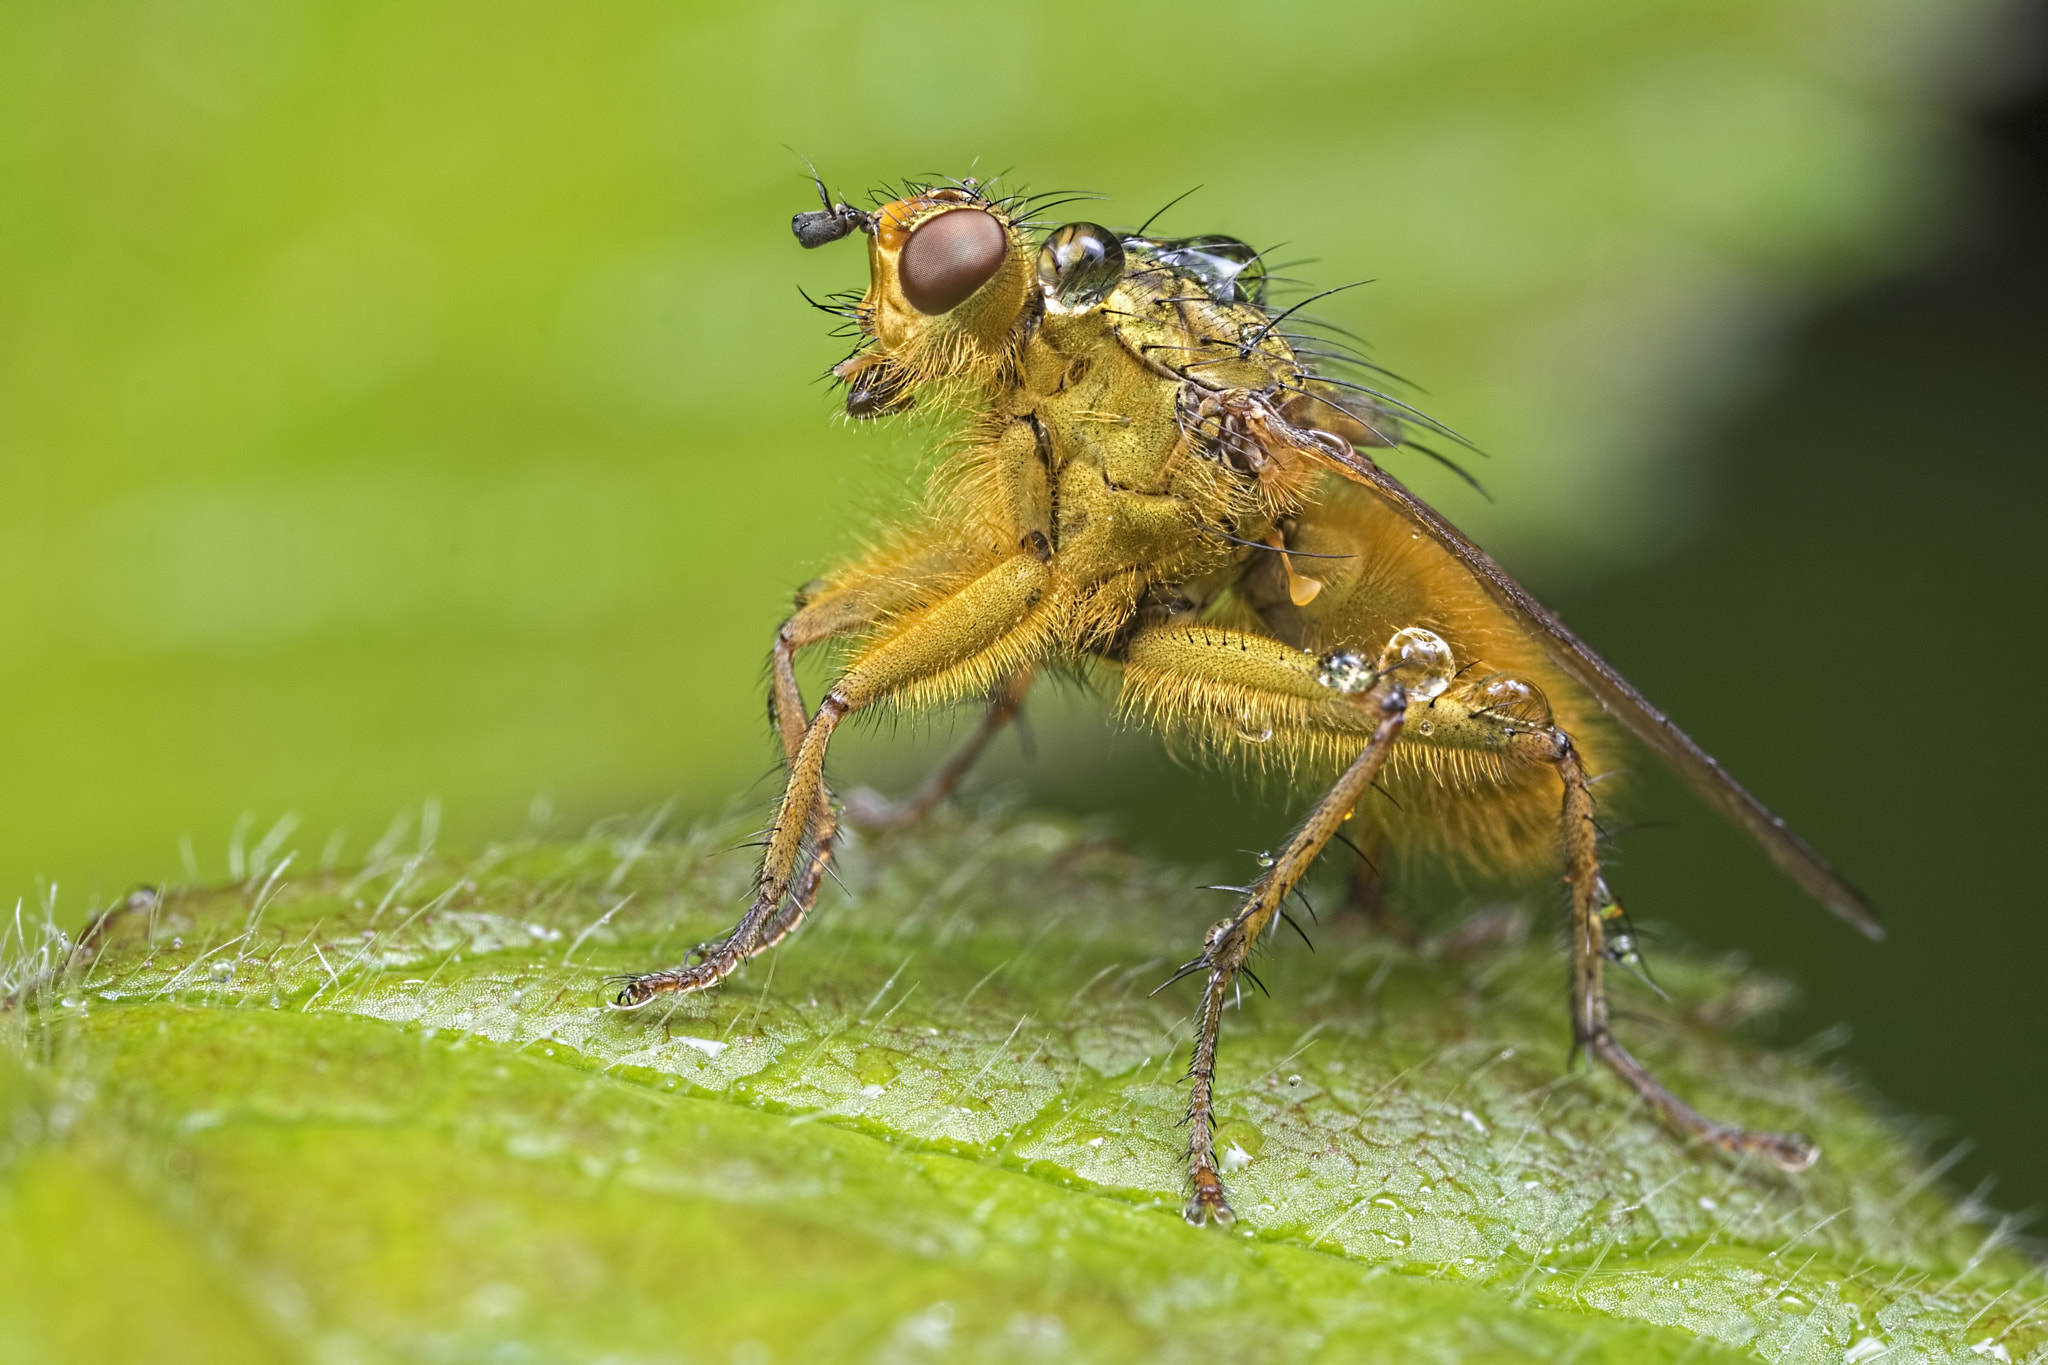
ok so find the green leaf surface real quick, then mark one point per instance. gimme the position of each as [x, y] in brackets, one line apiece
[386, 1115]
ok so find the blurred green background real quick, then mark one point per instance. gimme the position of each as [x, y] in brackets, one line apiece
[410, 406]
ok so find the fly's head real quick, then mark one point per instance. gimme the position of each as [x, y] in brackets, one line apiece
[950, 290]
[956, 289]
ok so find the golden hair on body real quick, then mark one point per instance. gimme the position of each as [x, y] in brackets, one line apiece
[1154, 481]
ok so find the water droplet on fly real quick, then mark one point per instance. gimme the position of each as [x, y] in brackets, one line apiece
[1266, 859]
[1080, 263]
[1346, 672]
[1511, 697]
[1421, 661]
[1229, 270]
[1250, 731]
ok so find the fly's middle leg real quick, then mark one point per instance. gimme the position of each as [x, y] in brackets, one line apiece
[1228, 680]
[1229, 944]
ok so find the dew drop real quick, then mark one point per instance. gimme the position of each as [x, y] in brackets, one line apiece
[1511, 697]
[1079, 264]
[1229, 270]
[1346, 672]
[1421, 661]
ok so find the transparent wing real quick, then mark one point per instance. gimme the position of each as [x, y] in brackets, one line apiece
[1790, 852]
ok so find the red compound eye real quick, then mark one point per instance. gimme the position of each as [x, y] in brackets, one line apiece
[949, 257]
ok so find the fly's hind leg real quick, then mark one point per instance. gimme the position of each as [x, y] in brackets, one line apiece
[1506, 722]
[996, 625]
[1593, 908]
[872, 811]
[1257, 688]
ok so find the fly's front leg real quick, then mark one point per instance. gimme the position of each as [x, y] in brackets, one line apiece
[997, 624]
[816, 621]
[1592, 908]
[1226, 680]
[884, 585]
[1004, 704]
[892, 581]
[1015, 513]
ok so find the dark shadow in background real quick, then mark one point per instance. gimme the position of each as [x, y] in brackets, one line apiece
[1857, 634]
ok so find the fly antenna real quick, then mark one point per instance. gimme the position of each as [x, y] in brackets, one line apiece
[828, 224]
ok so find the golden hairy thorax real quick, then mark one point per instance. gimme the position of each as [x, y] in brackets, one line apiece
[1163, 447]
